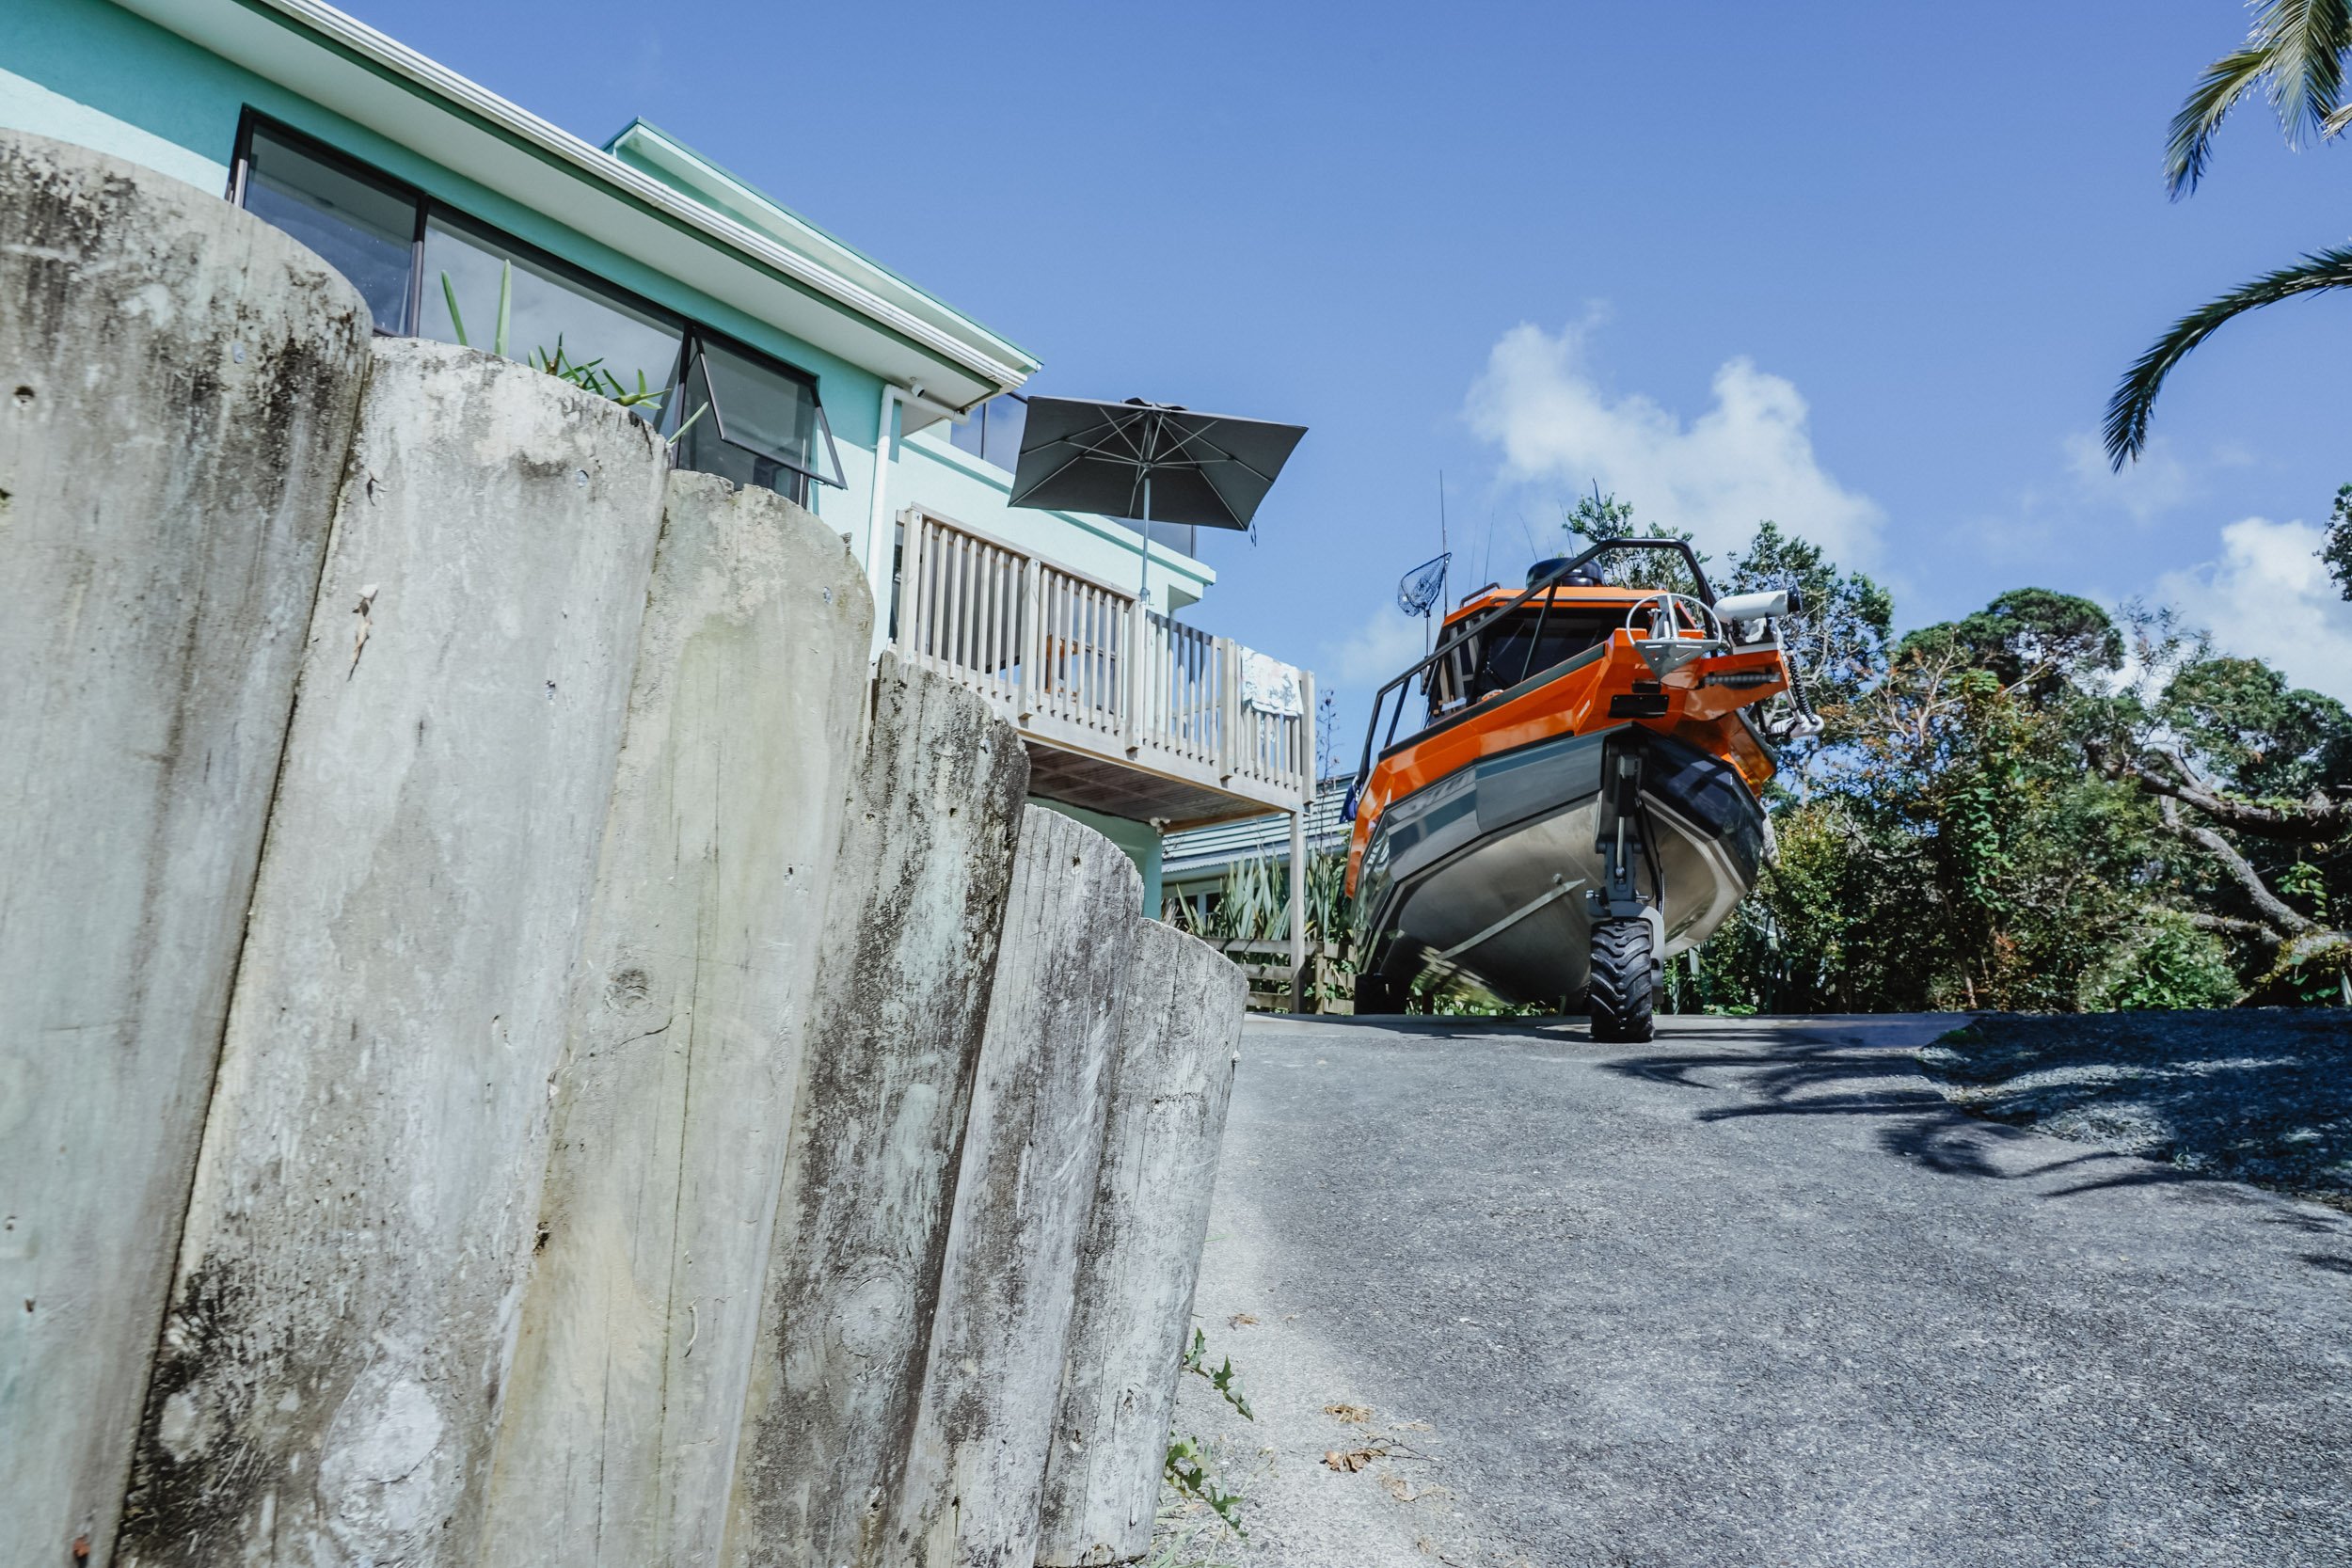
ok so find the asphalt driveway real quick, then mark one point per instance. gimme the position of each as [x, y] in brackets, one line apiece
[1755, 1293]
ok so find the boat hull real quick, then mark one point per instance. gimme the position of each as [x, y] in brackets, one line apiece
[1483, 875]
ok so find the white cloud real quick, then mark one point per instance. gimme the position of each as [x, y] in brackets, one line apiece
[1366, 659]
[2157, 483]
[2270, 598]
[1746, 458]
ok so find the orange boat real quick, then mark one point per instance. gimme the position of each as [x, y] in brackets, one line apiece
[1577, 799]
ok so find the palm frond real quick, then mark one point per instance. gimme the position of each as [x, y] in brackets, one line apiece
[2188, 147]
[2299, 46]
[2135, 397]
[2304, 41]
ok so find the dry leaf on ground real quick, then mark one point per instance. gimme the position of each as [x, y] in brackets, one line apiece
[1349, 1414]
[1349, 1461]
[1241, 1320]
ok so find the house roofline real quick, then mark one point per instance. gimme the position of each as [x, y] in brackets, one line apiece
[705, 175]
[880, 297]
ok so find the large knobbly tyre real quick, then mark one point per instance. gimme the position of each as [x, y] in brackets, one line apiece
[1621, 995]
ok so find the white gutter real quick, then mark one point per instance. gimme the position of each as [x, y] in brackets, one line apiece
[440, 82]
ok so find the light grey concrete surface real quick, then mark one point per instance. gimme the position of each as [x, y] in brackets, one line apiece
[1141, 1254]
[1031, 1148]
[177, 384]
[617, 1442]
[903, 980]
[1754, 1294]
[365, 1201]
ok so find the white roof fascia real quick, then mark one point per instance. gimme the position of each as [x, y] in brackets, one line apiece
[746, 204]
[427, 108]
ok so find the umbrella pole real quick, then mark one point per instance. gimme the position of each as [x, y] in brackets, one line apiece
[1143, 591]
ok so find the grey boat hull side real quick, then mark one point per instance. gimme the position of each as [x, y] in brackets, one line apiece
[1483, 875]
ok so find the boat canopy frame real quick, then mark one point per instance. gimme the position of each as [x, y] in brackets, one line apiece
[1402, 685]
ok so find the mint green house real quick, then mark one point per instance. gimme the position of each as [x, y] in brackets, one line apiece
[775, 355]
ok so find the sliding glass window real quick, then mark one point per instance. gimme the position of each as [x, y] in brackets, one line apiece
[429, 271]
[993, 434]
[551, 310]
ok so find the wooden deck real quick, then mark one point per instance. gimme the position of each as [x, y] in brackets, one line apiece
[1126, 711]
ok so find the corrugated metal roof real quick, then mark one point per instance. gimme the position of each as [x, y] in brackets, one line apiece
[1206, 852]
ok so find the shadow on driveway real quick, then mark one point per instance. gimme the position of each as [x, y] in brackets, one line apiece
[2262, 1097]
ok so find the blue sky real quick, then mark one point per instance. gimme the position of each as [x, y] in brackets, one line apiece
[1872, 269]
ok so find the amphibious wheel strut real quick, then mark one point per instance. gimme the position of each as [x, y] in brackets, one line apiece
[1624, 978]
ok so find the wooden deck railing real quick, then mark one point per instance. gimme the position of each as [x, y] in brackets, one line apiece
[1083, 666]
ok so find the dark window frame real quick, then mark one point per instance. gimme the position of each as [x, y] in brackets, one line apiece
[692, 334]
[240, 164]
[697, 338]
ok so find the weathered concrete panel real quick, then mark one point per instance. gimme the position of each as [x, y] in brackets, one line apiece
[1030, 1154]
[617, 1441]
[364, 1206]
[902, 992]
[1141, 1256]
[177, 384]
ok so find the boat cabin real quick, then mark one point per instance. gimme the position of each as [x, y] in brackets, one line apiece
[1551, 629]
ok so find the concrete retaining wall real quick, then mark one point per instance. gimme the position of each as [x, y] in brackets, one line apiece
[903, 981]
[368, 1191]
[506, 998]
[617, 1441]
[1030, 1153]
[177, 390]
[1141, 1255]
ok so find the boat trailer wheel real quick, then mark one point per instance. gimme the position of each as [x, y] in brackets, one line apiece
[1622, 997]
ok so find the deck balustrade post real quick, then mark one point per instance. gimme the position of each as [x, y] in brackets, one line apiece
[1298, 908]
[1032, 632]
[1131, 716]
[912, 616]
[1229, 703]
[1304, 763]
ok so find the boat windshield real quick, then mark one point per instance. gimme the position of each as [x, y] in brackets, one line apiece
[1513, 649]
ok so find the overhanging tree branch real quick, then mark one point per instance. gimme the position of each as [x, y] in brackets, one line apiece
[2230, 925]
[2314, 819]
[2274, 910]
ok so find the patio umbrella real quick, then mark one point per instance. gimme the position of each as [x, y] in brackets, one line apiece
[1148, 461]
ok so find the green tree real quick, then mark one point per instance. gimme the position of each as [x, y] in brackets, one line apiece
[2247, 726]
[2337, 552]
[2252, 779]
[1599, 519]
[2047, 644]
[2296, 51]
[1845, 630]
[1840, 640]
[2168, 962]
[2017, 875]
[1953, 851]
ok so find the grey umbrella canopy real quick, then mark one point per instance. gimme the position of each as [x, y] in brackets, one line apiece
[1149, 462]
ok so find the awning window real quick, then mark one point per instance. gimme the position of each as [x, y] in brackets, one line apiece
[768, 416]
